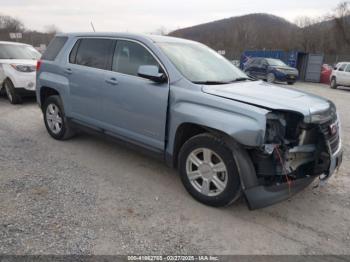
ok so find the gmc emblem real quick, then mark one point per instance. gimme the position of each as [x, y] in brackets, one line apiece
[333, 129]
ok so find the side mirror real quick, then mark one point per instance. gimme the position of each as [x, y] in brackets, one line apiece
[151, 72]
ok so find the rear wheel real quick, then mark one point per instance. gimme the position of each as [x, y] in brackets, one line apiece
[56, 122]
[271, 78]
[290, 83]
[334, 84]
[208, 171]
[11, 93]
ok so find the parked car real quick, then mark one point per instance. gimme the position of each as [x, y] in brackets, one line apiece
[326, 71]
[225, 132]
[271, 70]
[340, 75]
[17, 70]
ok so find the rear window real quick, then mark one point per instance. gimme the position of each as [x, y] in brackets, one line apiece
[54, 48]
[94, 52]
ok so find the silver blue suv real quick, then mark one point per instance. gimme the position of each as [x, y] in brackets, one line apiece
[228, 135]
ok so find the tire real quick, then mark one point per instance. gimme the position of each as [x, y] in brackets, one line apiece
[334, 84]
[271, 78]
[290, 83]
[224, 187]
[2, 91]
[11, 94]
[56, 123]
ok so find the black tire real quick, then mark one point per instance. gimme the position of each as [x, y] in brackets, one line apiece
[2, 91]
[232, 190]
[66, 130]
[290, 83]
[334, 84]
[11, 93]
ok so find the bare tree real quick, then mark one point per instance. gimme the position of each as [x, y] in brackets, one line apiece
[341, 18]
[160, 31]
[10, 24]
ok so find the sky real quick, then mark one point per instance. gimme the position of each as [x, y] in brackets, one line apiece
[147, 16]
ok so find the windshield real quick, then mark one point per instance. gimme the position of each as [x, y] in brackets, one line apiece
[8, 51]
[201, 64]
[275, 62]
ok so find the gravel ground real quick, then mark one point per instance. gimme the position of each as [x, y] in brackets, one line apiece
[93, 196]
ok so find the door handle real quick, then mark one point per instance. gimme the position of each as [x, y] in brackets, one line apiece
[68, 71]
[112, 81]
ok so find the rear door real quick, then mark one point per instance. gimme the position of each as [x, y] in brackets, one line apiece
[262, 68]
[347, 75]
[89, 61]
[251, 67]
[134, 107]
[341, 76]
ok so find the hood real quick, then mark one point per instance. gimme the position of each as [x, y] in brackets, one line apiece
[269, 96]
[18, 61]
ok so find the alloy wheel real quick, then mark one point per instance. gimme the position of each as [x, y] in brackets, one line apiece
[54, 118]
[206, 171]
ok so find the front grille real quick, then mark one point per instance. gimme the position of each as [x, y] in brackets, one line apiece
[332, 139]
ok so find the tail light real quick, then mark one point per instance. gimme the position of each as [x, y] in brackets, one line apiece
[38, 65]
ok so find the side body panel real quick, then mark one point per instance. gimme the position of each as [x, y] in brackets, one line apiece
[188, 104]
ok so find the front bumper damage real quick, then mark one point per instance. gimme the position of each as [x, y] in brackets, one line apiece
[263, 196]
[328, 158]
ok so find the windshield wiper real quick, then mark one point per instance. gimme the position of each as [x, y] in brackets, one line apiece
[238, 79]
[210, 82]
[243, 79]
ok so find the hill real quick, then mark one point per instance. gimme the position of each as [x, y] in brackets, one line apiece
[236, 34]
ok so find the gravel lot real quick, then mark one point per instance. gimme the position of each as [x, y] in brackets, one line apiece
[92, 196]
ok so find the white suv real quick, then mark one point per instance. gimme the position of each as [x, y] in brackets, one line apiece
[17, 70]
[340, 75]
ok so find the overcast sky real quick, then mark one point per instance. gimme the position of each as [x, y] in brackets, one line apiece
[145, 16]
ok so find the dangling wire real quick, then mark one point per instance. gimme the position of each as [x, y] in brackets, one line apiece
[289, 182]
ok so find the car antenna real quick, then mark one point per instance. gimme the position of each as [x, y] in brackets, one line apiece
[92, 25]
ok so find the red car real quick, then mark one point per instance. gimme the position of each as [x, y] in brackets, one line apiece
[326, 72]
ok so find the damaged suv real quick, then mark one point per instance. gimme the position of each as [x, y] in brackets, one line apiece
[227, 134]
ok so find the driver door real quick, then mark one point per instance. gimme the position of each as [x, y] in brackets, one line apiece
[134, 107]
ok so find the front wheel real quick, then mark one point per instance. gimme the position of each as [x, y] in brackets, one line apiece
[334, 84]
[208, 171]
[11, 93]
[271, 78]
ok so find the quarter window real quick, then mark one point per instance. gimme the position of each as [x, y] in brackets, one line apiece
[54, 48]
[94, 52]
[129, 56]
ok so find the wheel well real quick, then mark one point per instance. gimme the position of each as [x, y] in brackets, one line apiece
[183, 133]
[188, 130]
[6, 79]
[46, 92]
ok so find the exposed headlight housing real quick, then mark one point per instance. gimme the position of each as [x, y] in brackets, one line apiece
[24, 68]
